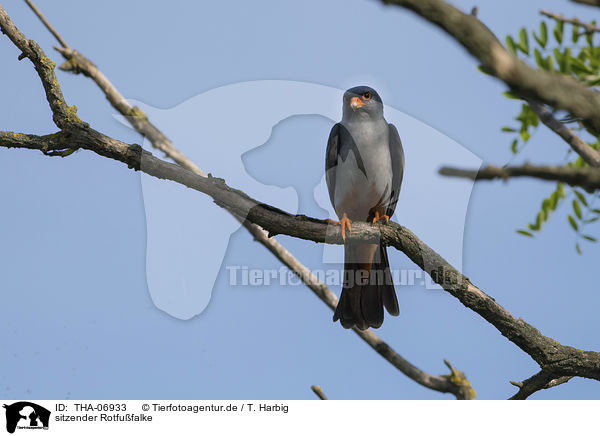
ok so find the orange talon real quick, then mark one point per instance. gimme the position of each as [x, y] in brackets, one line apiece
[378, 217]
[344, 222]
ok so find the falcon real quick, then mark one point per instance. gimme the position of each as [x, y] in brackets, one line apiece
[364, 165]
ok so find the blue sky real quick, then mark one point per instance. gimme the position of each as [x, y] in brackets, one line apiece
[78, 318]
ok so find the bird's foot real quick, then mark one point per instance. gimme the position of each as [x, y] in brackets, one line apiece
[344, 222]
[378, 217]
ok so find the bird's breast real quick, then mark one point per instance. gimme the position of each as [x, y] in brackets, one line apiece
[358, 191]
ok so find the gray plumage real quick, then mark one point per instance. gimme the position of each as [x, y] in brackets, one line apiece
[364, 167]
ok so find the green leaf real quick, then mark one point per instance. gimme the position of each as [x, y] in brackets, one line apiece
[524, 41]
[539, 220]
[508, 129]
[511, 95]
[580, 67]
[510, 44]
[589, 238]
[537, 38]
[543, 34]
[513, 146]
[554, 200]
[592, 81]
[558, 31]
[578, 248]
[592, 220]
[573, 222]
[577, 209]
[560, 188]
[581, 197]
[525, 135]
[596, 211]
[557, 55]
[575, 34]
[539, 59]
[525, 232]
[562, 59]
[546, 204]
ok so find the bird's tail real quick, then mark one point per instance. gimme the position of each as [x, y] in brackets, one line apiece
[367, 287]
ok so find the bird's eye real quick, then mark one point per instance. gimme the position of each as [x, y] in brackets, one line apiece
[367, 96]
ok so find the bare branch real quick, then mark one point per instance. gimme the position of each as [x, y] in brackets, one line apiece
[542, 380]
[590, 155]
[459, 379]
[318, 392]
[52, 30]
[587, 2]
[589, 28]
[58, 145]
[458, 386]
[77, 63]
[587, 178]
[555, 90]
[562, 360]
[62, 114]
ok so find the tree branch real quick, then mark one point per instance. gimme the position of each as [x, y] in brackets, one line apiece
[542, 380]
[77, 63]
[590, 155]
[46, 23]
[62, 143]
[555, 90]
[459, 386]
[587, 2]
[62, 114]
[589, 28]
[587, 178]
[553, 357]
[562, 360]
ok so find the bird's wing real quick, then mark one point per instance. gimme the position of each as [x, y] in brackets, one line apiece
[340, 144]
[331, 160]
[397, 156]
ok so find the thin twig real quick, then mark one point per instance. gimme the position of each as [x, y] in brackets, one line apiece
[589, 27]
[46, 23]
[587, 178]
[77, 63]
[582, 148]
[319, 392]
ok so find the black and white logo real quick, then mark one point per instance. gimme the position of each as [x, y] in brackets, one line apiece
[26, 415]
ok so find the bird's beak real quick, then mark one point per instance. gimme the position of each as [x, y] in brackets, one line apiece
[356, 103]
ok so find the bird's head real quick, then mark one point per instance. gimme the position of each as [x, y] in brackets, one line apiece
[362, 102]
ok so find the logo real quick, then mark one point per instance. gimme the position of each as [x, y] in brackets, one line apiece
[26, 415]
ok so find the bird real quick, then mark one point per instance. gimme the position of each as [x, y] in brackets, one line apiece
[364, 167]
